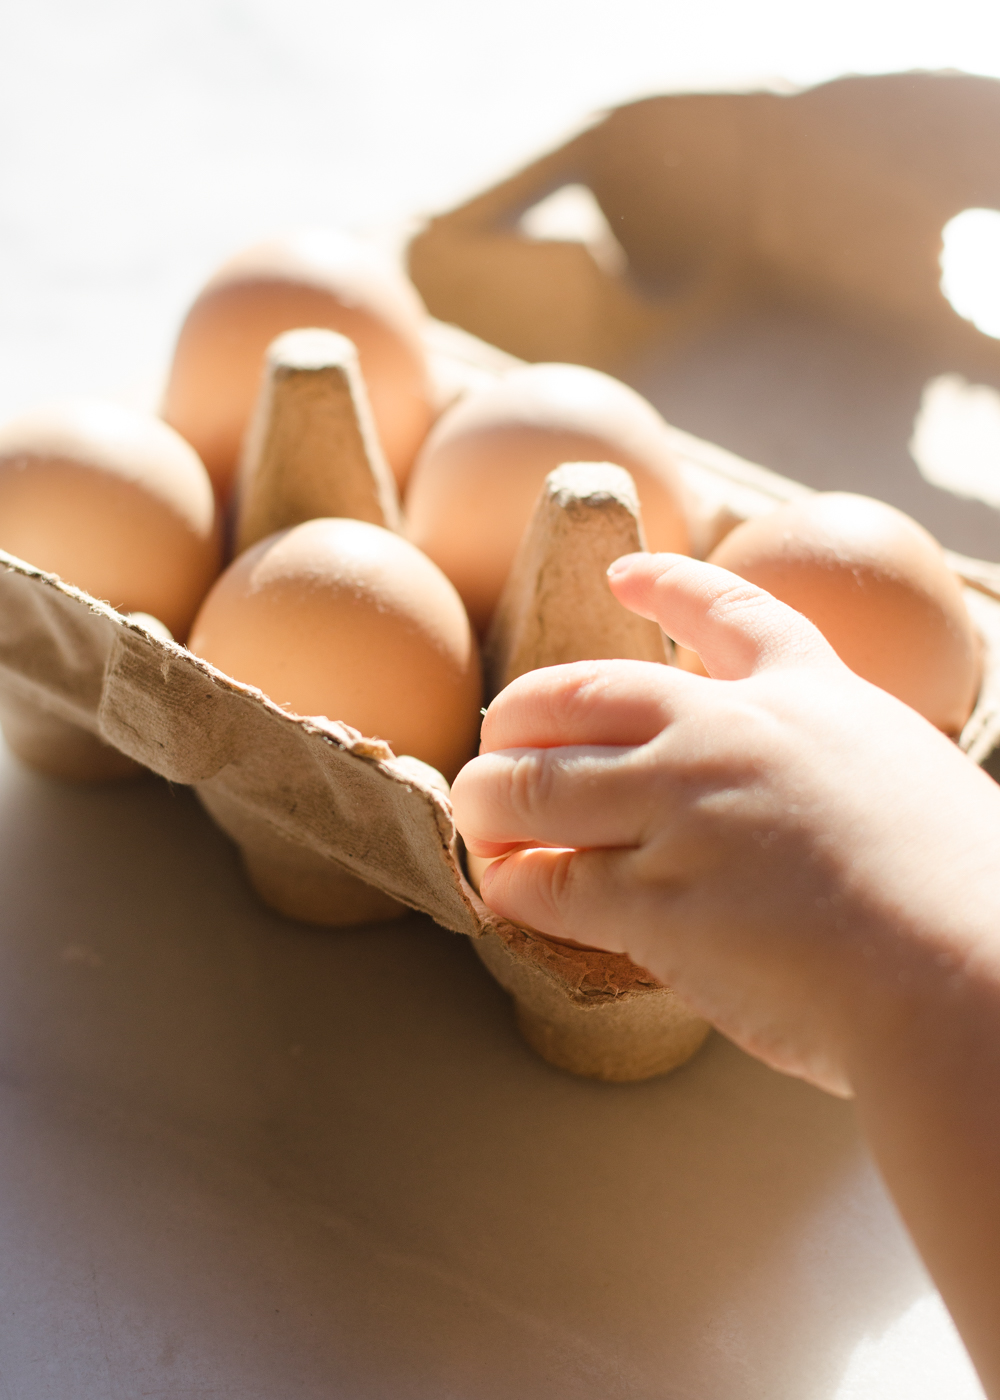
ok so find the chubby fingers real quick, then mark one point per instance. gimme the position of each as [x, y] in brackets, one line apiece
[574, 796]
[583, 897]
[735, 627]
[613, 703]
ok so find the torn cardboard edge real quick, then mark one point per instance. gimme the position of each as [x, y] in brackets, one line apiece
[340, 796]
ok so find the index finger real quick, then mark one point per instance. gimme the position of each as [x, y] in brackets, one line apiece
[734, 626]
[604, 703]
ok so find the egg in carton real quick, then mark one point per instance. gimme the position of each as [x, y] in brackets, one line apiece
[333, 826]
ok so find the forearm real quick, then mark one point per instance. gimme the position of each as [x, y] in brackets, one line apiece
[926, 1074]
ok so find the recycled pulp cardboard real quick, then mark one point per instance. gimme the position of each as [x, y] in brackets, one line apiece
[314, 804]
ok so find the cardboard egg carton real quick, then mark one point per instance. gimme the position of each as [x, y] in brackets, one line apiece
[830, 202]
[332, 825]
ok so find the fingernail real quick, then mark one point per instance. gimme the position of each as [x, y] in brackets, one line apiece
[620, 565]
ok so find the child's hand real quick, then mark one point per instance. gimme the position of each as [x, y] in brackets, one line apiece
[781, 844]
[802, 857]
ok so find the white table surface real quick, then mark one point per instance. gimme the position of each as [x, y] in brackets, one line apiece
[244, 1158]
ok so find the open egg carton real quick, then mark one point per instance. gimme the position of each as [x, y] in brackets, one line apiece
[335, 827]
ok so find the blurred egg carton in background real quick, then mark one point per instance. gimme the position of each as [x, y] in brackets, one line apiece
[767, 269]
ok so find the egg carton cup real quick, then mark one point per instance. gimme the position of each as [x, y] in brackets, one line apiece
[334, 827]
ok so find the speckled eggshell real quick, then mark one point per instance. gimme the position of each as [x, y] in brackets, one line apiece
[878, 587]
[114, 502]
[477, 478]
[310, 278]
[348, 620]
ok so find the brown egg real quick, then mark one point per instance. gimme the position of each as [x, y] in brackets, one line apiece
[114, 502]
[479, 474]
[877, 586]
[311, 278]
[348, 620]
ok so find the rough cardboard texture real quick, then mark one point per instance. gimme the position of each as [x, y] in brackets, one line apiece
[54, 643]
[298, 881]
[556, 606]
[312, 450]
[315, 783]
[622, 1037]
[595, 1014]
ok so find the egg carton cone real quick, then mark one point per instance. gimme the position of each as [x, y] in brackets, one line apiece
[556, 606]
[312, 450]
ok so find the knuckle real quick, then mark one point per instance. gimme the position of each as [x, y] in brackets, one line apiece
[561, 889]
[583, 684]
[530, 784]
[747, 607]
[732, 748]
[739, 601]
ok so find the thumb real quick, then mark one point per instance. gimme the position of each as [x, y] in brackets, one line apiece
[735, 627]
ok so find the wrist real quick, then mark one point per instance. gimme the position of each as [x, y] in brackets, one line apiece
[921, 1001]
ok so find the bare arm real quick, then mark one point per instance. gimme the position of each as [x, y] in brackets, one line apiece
[806, 860]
